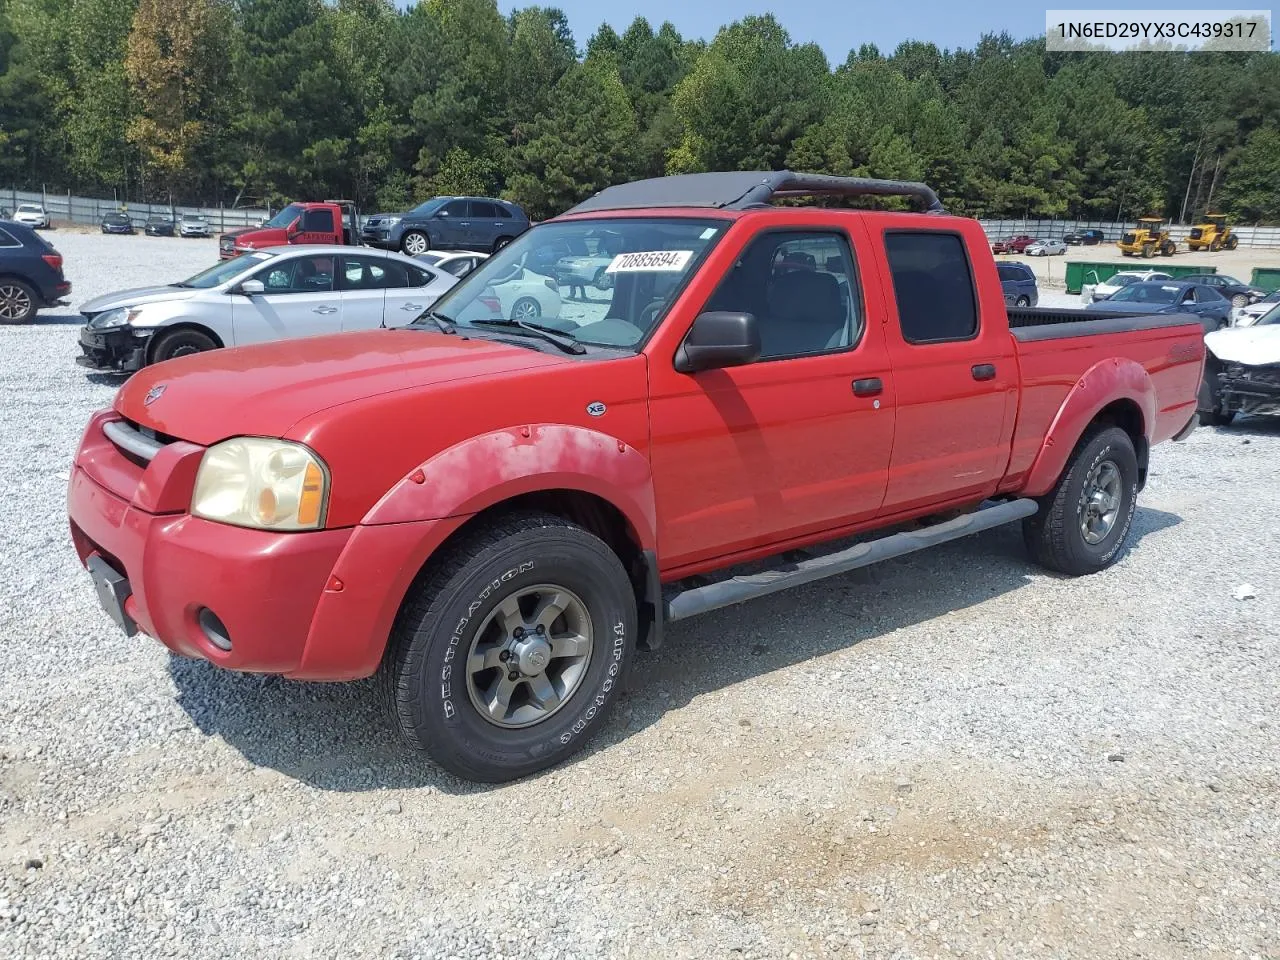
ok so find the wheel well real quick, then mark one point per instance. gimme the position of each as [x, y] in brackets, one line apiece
[165, 330]
[1127, 415]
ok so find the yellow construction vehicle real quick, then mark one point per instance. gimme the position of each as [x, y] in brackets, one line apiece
[1214, 234]
[1148, 238]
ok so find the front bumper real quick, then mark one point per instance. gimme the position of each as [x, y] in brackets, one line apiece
[317, 605]
[376, 237]
[1246, 389]
[114, 349]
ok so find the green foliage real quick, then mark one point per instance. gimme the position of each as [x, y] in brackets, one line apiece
[388, 104]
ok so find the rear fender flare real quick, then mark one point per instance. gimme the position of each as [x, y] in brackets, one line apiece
[1101, 385]
[489, 469]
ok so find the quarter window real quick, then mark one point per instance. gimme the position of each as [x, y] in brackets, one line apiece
[7, 239]
[933, 286]
[801, 288]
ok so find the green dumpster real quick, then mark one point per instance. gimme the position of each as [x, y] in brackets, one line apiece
[1095, 271]
[1268, 278]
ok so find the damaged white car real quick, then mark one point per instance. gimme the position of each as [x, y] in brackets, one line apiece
[1242, 371]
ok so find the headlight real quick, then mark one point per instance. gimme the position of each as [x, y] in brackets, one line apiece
[392, 221]
[268, 484]
[118, 317]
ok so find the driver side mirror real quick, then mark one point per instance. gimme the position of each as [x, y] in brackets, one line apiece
[719, 338]
[292, 229]
[252, 287]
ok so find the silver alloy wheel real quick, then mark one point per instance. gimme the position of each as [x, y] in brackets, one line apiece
[529, 656]
[414, 244]
[1239, 301]
[1101, 500]
[526, 308]
[15, 303]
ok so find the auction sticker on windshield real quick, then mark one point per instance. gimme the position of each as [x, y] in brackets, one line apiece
[672, 260]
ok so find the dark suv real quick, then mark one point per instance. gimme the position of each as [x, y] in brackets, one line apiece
[1019, 284]
[1086, 238]
[30, 273]
[447, 223]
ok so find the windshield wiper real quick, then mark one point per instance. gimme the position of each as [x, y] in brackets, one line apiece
[565, 343]
[443, 323]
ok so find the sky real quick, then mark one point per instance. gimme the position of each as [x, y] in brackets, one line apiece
[840, 25]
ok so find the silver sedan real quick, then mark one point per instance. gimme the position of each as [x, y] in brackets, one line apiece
[1046, 248]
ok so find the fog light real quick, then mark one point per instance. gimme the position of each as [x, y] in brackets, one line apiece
[214, 630]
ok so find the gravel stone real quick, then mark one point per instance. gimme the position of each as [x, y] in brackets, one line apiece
[212, 815]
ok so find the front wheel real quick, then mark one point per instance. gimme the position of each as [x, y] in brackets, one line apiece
[509, 653]
[181, 343]
[1232, 242]
[1148, 251]
[415, 242]
[1168, 249]
[1239, 301]
[1084, 520]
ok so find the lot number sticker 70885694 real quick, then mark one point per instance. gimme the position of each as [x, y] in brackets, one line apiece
[642, 261]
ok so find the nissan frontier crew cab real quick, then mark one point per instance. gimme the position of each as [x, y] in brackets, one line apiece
[492, 512]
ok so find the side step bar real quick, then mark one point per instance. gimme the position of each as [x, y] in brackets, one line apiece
[713, 596]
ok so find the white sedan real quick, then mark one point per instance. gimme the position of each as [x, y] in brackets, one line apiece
[523, 294]
[1045, 248]
[32, 214]
[272, 294]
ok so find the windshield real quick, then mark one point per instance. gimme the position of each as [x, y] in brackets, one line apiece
[1148, 293]
[1270, 318]
[192, 217]
[1122, 280]
[602, 282]
[220, 273]
[286, 216]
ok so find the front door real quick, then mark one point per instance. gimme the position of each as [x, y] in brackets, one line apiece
[795, 443]
[299, 300]
[451, 226]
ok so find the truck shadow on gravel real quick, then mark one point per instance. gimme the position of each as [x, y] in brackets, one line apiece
[335, 736]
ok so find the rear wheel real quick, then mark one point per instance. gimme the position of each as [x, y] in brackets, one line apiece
[1239, 301]
[17, 301]
[509, 653]
[1232, 242]
[526, 308]
[500, 243]
[1023, 302]
[1084, 520]
[1168, 248]
[181, 343]
[415, 242]
[1215, 245]
[603, 280]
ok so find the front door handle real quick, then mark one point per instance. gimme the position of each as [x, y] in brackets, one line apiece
[325, 310]
[870, 387]
[412, 306]
[984, 371]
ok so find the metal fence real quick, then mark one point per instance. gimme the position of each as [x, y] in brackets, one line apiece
[65, 208]
[1258, 237]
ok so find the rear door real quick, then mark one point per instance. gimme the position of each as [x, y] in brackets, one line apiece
[299, 300]
[485, 225]
[411, 289]
[954, 366]
[362, 285]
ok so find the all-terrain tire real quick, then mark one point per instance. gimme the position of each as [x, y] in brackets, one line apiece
[1054, 536]
[424, 675]
[180, 343]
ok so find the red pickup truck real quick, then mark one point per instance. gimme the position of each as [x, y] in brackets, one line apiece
[492, 512]
[328, 222]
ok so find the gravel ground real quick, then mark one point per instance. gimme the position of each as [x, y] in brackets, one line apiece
[951, 754]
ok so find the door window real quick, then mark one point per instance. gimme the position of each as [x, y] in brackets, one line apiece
[483, 210]
[502, 212]
[458, 209]
[933, 287]
[319, 220]
[801, 288]
[417, 276]
[460, 267]
[371, 273]
[303, 275]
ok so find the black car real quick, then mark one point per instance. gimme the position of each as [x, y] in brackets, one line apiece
[159, 227]
[117, 223]
[1019, 284]
[1086, 238]
[1240, 294]
[30, 273]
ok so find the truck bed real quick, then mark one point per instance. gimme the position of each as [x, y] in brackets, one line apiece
[1056, 323]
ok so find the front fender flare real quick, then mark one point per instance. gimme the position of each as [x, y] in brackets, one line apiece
[1102, 384]
[488, 469]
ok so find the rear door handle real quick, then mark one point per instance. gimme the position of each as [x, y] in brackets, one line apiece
[412, 306]
[325, 310]
[984, 371]
[870, 387]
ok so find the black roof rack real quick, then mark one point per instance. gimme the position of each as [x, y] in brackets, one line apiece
[743, 189]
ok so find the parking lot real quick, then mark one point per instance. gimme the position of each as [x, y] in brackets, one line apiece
[949, 754]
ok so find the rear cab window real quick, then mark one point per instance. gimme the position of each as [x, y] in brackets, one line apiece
[932, 285]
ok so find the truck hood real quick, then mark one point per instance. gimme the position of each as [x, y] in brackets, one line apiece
[136, 297]
[1251, 346]
[263, 390]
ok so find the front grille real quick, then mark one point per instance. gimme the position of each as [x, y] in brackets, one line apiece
[137, 443]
